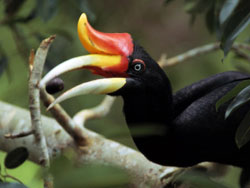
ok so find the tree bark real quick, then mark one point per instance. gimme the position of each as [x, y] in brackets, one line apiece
[143, 173]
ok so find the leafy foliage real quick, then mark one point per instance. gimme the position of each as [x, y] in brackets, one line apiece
[238, 20]
[44, 9]
[243, 132]
[239, 95]
[231, 94]
[228, 18]
[242, 98]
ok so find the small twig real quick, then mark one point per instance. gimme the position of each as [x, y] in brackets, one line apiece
[97, 112]
[167, 62]
[13, 178]
[240, 53]
[6, 175]
[19, 135]
[164, 61]
[34, 99]
[64, 119]
[31, 60]
[244, 46]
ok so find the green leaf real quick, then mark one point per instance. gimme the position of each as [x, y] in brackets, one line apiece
[209, 8]
[227, 10]
[16, 157]
[231, 94]
[235, 24]
[242, 135]
[240, 99]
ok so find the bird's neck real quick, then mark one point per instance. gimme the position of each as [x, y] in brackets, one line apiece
[150, 106]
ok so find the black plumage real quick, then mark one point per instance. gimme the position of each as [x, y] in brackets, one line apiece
[190, 130]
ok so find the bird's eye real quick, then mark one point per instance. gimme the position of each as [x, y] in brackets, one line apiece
[138, 65]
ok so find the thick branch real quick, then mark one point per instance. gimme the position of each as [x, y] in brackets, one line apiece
[143, 172]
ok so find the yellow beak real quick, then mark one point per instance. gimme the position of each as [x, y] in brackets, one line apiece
[93, 61]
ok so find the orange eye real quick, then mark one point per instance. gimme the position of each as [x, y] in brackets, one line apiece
[138, 65]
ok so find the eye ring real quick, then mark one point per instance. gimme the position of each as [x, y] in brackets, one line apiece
[138, 65]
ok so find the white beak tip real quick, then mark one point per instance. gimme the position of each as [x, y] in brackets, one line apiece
[50, 106]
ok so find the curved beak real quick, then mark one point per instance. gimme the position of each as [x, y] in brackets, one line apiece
[98, 64]
[97, 42]
[110, 59]
[100, 86]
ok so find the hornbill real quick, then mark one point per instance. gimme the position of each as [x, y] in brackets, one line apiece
[189, 129]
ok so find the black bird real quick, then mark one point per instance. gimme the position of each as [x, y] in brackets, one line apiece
[188, 128]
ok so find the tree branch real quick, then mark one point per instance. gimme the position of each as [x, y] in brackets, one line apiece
[34, 99]
[19, 135]
[75, 131]
[36, 65]
[100, 150]
[97, 112]
[167, 62]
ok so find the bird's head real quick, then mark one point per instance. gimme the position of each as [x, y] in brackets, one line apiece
[124, 64]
